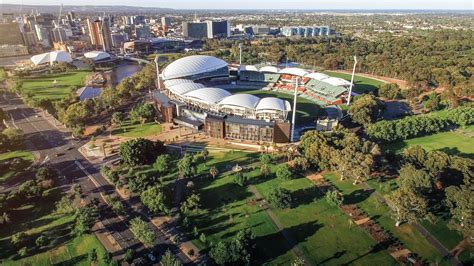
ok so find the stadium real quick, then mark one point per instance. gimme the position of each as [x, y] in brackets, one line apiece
[197, 92]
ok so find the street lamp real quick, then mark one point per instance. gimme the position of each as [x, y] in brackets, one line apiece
[352, 81]
[240, 50]
[157, 73]
[294, 111]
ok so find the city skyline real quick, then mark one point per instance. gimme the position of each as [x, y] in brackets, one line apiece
[269, 4]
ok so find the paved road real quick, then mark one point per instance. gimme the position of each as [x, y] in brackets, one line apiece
[56, 148]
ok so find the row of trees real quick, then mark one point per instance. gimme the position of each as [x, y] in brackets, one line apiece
[414, 126]
[342, 152]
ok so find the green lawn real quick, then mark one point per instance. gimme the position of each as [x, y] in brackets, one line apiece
[362, 84]
[380, 213]
[137, 130]
[323, 231]
[228, 208]
[37, 219]
[26, 158]
[459, 142]
[43, 87]
[307, 110]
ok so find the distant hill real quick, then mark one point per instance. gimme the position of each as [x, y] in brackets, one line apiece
[88, 9]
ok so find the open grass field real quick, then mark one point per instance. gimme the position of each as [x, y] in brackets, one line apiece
[62, 247]
[459, 142]
[381, 214]
[137, 130]
[362, 84]
[307, 110]
[43, 87]
[323, 231]
[26, 158]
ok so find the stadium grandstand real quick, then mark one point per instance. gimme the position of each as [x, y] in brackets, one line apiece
[190, 87]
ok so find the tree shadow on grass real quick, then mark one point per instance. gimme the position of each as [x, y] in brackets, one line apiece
[73, 261]
[305, 196]
[358, 196]
[274, 245]
[456, 152]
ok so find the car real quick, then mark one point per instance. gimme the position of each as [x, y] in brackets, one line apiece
[151, 257]
[59, 154]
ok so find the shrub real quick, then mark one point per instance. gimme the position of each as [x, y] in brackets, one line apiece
[240, 179]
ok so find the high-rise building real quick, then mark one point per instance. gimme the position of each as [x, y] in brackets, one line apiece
[137, 20]
[142, 32]
[166, 21]
[100, 34]
[30, 38]
[106, 34]
[59, 35]
[195, 30]
[118, 39]
[94, 32]
[218, 29]
[45, 19]
[43, 33]
[10, 34]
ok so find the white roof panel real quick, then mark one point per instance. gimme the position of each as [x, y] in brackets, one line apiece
[207, 95]
[248, 101]
[183, 88]
[269, 69]
[337, 81]
[51, 57]
[192, 65]
[247, 68]
[295, 71]
[273, 103]
[172, 82]
[317, 76]
[97, 55]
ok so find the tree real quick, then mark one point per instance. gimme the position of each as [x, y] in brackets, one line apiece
[265, 159]
[461, 205]
[41, 241]
[414, 179]
[118, 118]
[107, 258]
[5, 218]
[236, 252]
[213, 172]
[92, 255]
[140, 151]
[129, 254]
[205, 154]
[186, 166]
[390, 91]
[283, 172]
[14, 138]
[46, 173]
[406, 206]
[433, 102]
[334, 198]
[280, 198]
[22, 252]
[202, 238]
[366, 109]
[162, 164]
[265, 169]
[191, 204]
[169, 259]
[143, 112]
[240, 179]
[142, 231]
[155, 199]
[76, 114]
[85, 218]
[18, 238]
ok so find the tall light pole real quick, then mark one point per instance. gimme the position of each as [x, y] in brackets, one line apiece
[352, 81]
[294, 111]
[157, 73]
[240, 50]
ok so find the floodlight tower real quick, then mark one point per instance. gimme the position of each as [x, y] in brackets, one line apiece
[240, 50]
[157, 73]
[352, 81]
[294, 111]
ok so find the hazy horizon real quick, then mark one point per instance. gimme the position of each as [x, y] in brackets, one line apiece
[268, 4]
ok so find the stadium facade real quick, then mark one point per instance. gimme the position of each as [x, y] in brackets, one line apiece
[194, 96]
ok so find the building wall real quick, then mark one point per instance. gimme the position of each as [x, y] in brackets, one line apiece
[195, 30]
[13, 50]
[10, 34]
[282, 132]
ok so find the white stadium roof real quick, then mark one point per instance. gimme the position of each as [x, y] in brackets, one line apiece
[247, 101]
[248, 68]
[273, 103]
[270, 69]
[192, 65]
[207, 95]
[294, 71]
[97, 55]
[172, 82]
[337, 81]
[317, 76]
[51, 57]
[185, 87]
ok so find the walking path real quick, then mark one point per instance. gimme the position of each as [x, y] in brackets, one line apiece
[431, 239]
[289, 238]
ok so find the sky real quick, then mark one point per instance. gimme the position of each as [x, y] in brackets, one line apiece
[267, 4]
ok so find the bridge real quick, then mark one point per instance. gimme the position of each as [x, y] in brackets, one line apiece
[139, 60]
